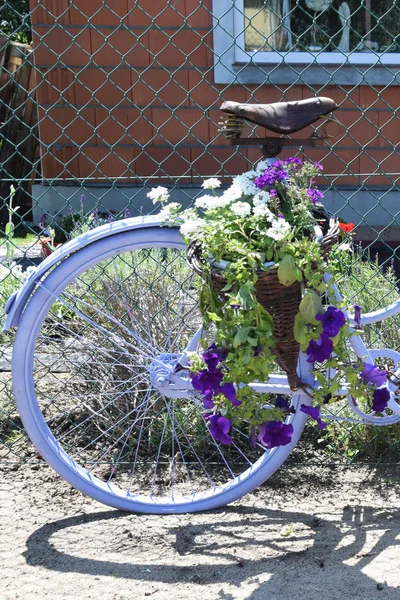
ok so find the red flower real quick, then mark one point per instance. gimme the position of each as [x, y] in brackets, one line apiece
[347, 227]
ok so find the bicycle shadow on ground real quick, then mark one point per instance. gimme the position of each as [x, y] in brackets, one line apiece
[232, 546]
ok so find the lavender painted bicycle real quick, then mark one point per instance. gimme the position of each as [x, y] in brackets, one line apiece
[102, 325]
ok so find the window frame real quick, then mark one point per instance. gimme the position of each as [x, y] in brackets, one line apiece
[233, 64]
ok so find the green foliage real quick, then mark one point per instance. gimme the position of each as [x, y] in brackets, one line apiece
[364, 282]
[15, 20]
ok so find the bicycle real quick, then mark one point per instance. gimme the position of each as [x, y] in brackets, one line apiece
[102, 325]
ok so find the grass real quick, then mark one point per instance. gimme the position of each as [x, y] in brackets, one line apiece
[27, 240]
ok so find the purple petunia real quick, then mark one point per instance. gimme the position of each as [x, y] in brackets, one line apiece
[314, 195]
[275, 433]
[313, 412]
[252, 437]
[258, 351]
[281, 403]
[380, 400]
[357, 314]
[319, 166]
[212, 357]
[319, 350]
[284, 405]
[209, 381]
[208, 401]
[372, 375]
[332, 320]
[219, 428]
[229, 391]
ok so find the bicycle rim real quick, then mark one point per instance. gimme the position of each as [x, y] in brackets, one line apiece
[82, 371]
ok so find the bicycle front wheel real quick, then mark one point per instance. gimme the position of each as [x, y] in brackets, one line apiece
[95, 340]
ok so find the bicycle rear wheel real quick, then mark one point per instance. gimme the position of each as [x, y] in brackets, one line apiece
[91, 345]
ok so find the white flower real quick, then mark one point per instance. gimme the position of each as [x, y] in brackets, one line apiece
[279, 229]
[211, 202]
[159, 194]
[244, 183]
[168, 211]
[345, 247]
[242, 209]
[261, 198]
[262, 210]
[261, 166]
[191, 226]
[211, 184]
[234, 192]
[206, 202]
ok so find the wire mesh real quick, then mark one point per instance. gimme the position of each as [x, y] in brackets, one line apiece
[102, 99]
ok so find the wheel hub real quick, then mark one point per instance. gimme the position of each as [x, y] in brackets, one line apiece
[164, 377]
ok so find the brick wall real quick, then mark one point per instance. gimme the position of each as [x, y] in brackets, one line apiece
[123, 96]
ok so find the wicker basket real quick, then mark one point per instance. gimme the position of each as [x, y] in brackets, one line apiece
[282, 302]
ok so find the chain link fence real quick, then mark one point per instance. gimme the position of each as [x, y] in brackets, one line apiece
[102, 99]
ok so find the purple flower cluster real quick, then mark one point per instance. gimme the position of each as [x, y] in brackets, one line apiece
[380, 399]
[332, 321]
[314, 195]
[275, 433]
[372, 375]
[313, 412]
[209, 381]
[293, 161]
[284, 405]
[357, 314]
[319, 350]
[274, 174]
[219, 428]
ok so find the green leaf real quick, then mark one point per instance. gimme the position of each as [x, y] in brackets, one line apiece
[336, 339]
[241, 336]
[247, 356]
[310, 306]
[213, 317]
[299, 329]
[9, 229]
[287, 270]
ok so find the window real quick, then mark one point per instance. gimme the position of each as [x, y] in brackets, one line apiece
[324, 41]
[330, 31]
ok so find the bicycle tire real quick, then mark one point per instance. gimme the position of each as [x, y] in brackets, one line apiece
[73, 379]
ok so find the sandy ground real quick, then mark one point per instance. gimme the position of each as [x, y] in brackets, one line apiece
[313, 534]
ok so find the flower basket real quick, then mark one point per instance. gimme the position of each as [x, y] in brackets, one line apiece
[280, 301]
[262, 247]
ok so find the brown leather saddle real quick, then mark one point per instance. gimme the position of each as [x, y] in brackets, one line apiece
[282, 117]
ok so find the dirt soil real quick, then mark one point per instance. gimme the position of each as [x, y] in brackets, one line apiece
[310, 534]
